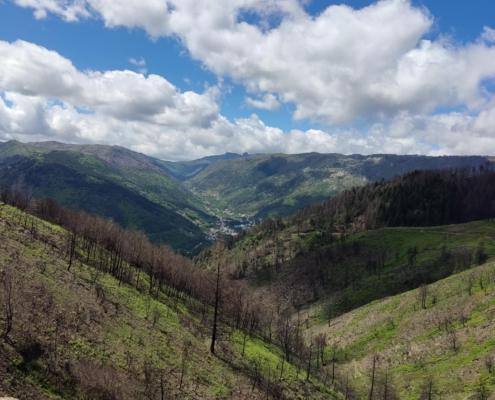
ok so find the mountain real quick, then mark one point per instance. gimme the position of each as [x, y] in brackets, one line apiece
[268, 185]
[185, 170]
[395, 278]
[132, 189]
[365, 243]
[187, 204]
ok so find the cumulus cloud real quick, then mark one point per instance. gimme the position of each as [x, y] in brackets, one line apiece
[267, 102]
[44, 97]
[373, 64]
[342, 64]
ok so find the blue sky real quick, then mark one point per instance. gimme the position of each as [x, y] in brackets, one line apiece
[91, 45]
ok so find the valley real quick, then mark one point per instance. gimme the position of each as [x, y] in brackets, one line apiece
[184, 203]
[247, 200]
[382, 290]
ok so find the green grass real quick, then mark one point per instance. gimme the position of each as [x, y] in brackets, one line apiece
[410, 343]
[125, 330]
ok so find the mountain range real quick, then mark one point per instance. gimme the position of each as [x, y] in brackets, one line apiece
[384, 291]
[186, 204]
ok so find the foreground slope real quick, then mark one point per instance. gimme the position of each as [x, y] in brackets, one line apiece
[436, 342]
[131, 188]
[78, 332]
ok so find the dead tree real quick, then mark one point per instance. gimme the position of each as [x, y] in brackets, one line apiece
[334, 360]
[8, 299]
[308, 367]
[215, 312]
[71, 249]
[423, 296]
[427, 393]
[373, 376]
[184, 361]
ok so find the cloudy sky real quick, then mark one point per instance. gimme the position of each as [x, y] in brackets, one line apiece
[181, 79]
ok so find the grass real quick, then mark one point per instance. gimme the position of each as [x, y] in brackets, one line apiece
[125, 330]
[411, 342]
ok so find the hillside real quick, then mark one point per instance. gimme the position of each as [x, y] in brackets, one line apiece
[81, 322]
[279, 184]
[132, 189]
[366, 243]
[415, 301]
[436, 342]
[186, 204]
[185, 170]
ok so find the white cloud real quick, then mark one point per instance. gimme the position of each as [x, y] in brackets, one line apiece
[488, 34]
[267, 102]
[340, 65]
[68, 10]
[139, 64]
[44, 97]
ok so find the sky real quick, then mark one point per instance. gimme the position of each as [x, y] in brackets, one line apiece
[182, 79]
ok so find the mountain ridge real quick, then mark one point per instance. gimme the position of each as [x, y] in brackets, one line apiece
[205, 198]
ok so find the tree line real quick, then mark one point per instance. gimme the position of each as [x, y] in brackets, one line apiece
[419, 198]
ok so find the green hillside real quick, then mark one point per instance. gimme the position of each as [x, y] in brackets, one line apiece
[414, 301]
[80, 331]
[369, 242]
[279, 184]
[366, 266]
[445, 348]
[132, 189]
[180, 203]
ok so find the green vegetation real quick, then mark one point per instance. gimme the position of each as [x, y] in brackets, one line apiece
[279, 184]
[449, 342]
[130, 188]
[80, 333]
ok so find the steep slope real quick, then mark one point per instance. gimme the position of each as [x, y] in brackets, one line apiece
[184, 170]
[347, 267]
[346, 251]
[81, 330]
[278, 184]
[436, 342]
[133, 189]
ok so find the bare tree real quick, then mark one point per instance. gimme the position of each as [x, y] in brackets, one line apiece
[427, 393]
[334, 361]
[471, 278]
[8, 303]
[308, 366]
[489, 364]
[373, 376]
[184, 361]
[423, 296]
[215, 311]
